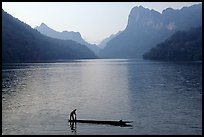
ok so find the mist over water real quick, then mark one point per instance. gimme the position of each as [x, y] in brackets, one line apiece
[159, 97]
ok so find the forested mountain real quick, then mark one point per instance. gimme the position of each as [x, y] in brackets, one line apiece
[21, 43]
[66, 35]
[181, 46]
[146, 28]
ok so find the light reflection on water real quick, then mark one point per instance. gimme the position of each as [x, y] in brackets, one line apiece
[159, 97]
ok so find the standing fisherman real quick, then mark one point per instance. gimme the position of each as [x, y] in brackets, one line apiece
[73, 115]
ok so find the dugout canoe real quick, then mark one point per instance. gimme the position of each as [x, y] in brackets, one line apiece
[110, 122]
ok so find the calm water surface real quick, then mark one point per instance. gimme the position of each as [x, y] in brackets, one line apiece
[159, 97]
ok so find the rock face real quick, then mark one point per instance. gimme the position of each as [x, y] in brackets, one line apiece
[146, 28]
[66, 35]
[21, 43]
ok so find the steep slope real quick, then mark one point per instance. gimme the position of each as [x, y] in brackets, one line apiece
[104, 42]
[181, 46]
[66, 35]
[146, 28]
[21, 43]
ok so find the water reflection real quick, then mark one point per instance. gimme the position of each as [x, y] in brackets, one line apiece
[103, 87]
[73, 126]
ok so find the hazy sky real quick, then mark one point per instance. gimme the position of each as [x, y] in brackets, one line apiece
[94, 20]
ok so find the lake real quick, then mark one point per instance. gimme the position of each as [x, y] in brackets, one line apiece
[159, 97]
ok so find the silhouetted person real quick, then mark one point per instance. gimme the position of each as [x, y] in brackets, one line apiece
[73, 115]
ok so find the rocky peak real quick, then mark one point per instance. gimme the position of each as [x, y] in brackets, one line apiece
[144, 17]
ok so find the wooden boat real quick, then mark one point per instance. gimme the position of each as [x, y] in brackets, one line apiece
[115, 123]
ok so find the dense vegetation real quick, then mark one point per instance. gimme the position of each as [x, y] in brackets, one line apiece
[181, 46]
[21, 43]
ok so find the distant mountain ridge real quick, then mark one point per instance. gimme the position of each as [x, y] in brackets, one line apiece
[104, 42]
[146, 28]
[66, 35]
[21, 43]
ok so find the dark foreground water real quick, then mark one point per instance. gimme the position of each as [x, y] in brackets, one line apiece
[159, 97]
